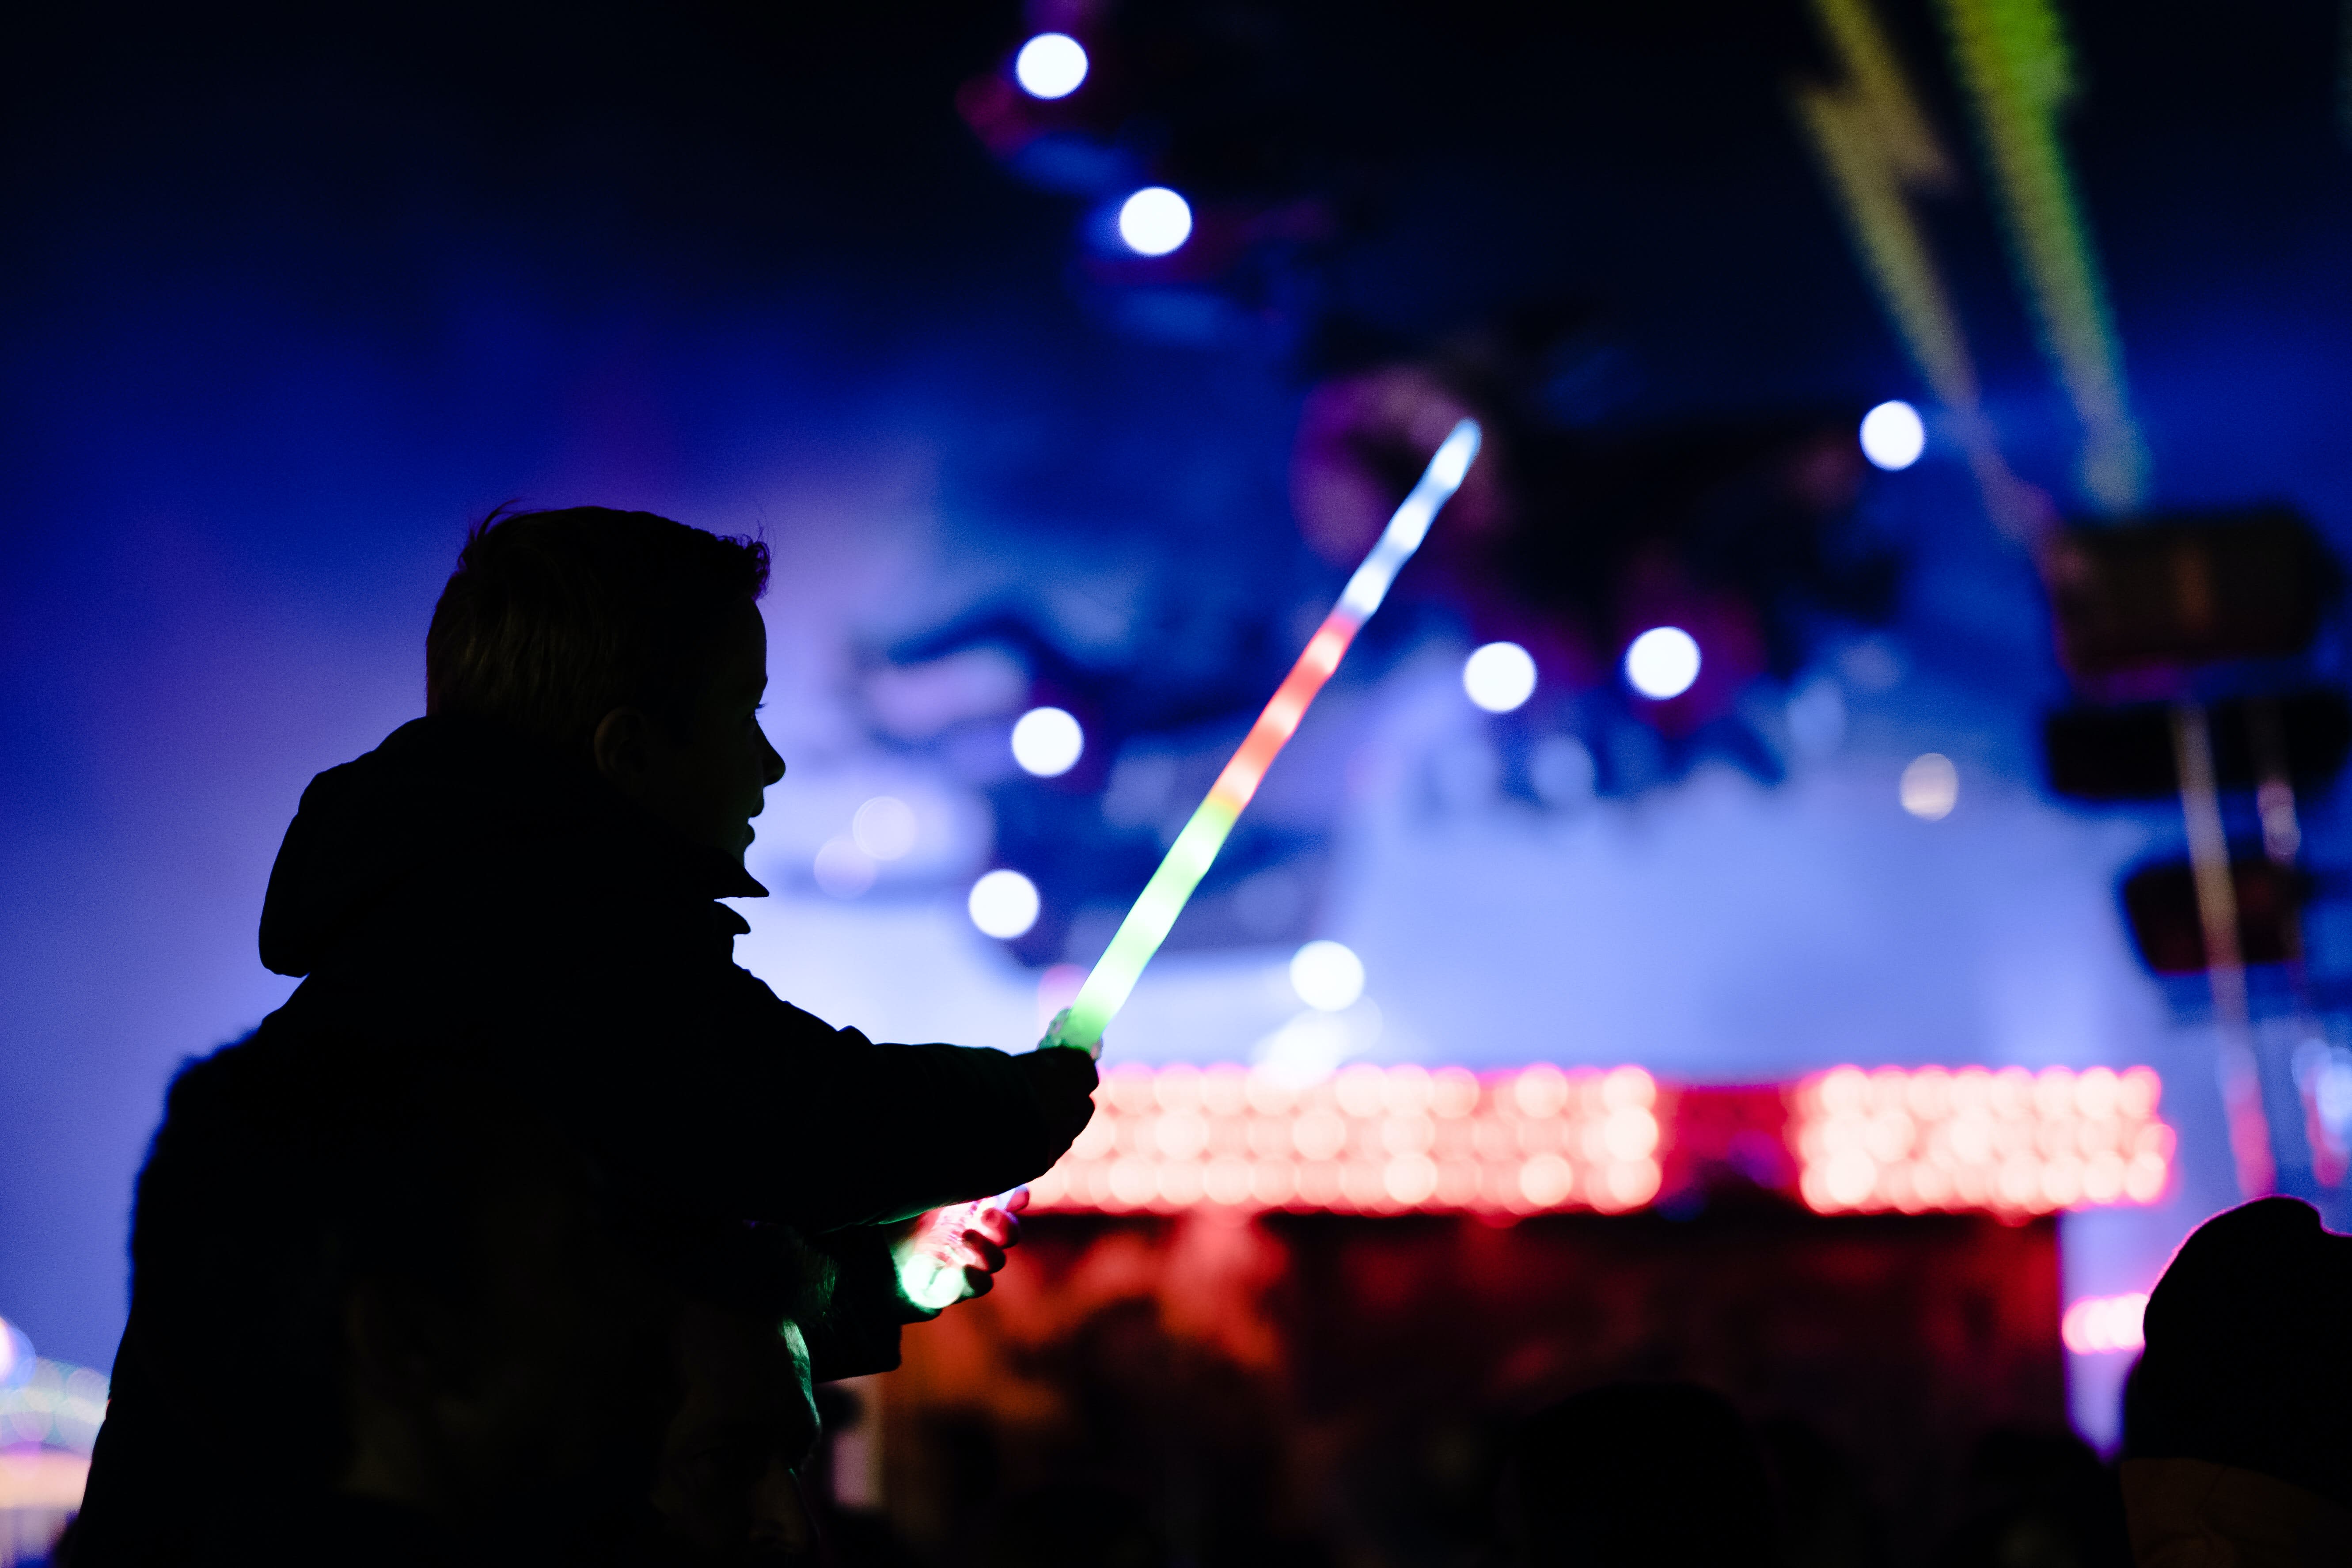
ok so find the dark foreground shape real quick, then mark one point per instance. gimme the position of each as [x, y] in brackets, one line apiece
[2235, 1448]
[1639, 1475]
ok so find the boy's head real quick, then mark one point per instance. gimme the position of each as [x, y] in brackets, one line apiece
[626, 640]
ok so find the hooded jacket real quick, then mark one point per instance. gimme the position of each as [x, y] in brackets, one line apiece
[460, 884]
[462, 878]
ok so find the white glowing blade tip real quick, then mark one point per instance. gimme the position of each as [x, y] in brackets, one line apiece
[1410, 524]
[1454, 456]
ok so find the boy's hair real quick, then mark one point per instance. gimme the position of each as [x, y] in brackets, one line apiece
[553, 620]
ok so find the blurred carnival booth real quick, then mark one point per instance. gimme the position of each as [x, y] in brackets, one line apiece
[1249, 1315]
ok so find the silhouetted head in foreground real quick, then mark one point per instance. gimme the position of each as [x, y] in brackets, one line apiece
[625, 641]
[2042, 1498]
[1638, 1474]
[2234, 1424]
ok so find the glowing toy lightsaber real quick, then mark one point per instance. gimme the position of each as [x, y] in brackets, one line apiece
[1163, 898]
[928, 1271]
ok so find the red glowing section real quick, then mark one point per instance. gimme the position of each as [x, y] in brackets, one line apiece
[1373, 1139]
[1367, 1141]
[2011, 1142]
[1280, 717]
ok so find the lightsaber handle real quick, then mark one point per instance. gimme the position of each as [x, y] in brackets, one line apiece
[931, 1273]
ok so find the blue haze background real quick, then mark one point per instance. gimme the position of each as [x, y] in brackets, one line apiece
[289, 298]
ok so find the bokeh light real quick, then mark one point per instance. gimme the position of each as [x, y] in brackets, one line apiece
[1327, 975]
[885, 828]
[1047, 741]
[1050, 66]
[842, 869]
[2099, 1325]
[1893, 435]
[1155, 221]
[2013, 1142]
[1365, 1140]
[1662, 662]
[1499, 677]
[1931, 787]
[1003, 904]
[53, 1405]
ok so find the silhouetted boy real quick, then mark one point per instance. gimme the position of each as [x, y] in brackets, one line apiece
[532, 870]
[541, 856]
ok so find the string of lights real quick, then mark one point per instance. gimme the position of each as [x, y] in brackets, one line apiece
[2013, 59]
[1876, 149]
[1545, 1139]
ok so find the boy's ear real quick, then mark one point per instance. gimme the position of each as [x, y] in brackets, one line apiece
[621, 749]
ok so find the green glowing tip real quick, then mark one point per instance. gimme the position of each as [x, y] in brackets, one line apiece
[930, 1268]
[930, 1284]
[1147, 923]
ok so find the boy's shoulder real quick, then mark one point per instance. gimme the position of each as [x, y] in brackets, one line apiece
[459, 821]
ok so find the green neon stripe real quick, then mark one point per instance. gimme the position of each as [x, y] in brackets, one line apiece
[1147, 923]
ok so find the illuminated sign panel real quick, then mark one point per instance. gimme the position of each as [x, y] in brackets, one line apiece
[1542, 1139]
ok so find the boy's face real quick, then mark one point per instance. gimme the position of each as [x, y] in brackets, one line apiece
[711, 783]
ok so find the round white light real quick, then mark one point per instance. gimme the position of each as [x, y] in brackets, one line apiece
[1499, 677]
[1891, 435]
[1326, 977]
[1047, 741]
[1931, 787]
[1155, 221]
[1662, 662]
[842, 869]
[884, 827]
[1003, 904]
[1050, 64]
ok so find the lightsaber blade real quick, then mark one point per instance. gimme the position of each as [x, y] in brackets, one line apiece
[932, 1263]
[1163, 898]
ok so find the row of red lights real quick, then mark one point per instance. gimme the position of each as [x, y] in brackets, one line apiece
[2007, 1140]
[1372, 1139]
[1366, 1140]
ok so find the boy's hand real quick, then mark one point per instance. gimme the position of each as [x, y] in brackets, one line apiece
[952, 1254]
[1053, 1041]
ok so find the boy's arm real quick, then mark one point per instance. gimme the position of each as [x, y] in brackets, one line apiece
[822, 1128]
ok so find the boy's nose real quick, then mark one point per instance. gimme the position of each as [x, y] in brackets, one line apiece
[772, 770]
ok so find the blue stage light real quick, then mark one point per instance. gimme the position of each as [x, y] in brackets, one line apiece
[1891, 435]
[1051, 65]
[1328, 975]
[1003, 904]
[1662, 662]
[1499, 677]
[1155, 221]
[1047, 743]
